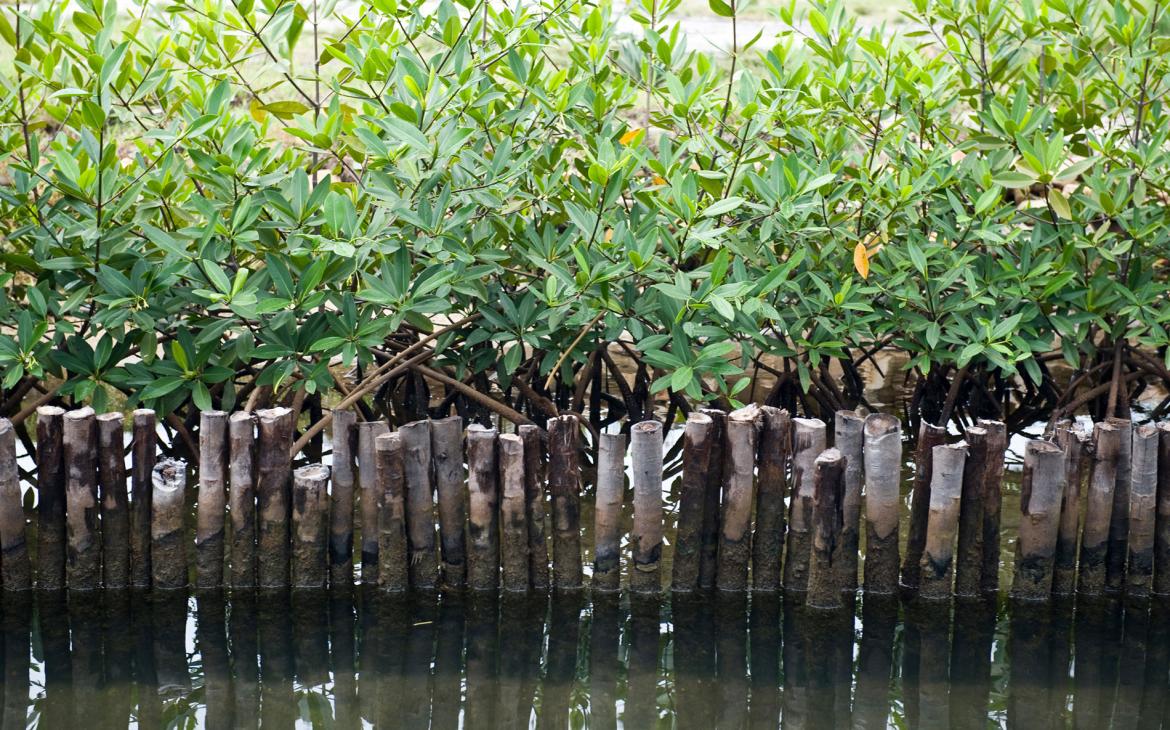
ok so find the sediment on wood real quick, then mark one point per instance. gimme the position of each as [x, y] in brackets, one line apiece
[513, 525]
[712, 500]
[420, 504]
[115, 502]
[828, 522]
[1064, 575]
[1041, 492]
[309, 518]
[483, 490]
[564, 483]
[992, 500]
[929, 436]
[735, 529]
[698, 437]
[883, 477]
[242, 498]
[144, 447]
[168, 551]
[1117, 550]
[369, 497]
[447, 452]
[538, 571]
[607, 511]
[938, 553]
[392, 571]
[51, 499]
[849, 439]
[273, 487]
[84, 555]
[808, 441]
[15, 568]
[646, 480]
[969, 561]
[1098, 510]
[209, 511]
[775, 443]
[1143, 510]
[1162, 531]
[341, 502]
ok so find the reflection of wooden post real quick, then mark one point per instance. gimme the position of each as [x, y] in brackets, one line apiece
[483, 489]
[1041, 491]
[212, 495]
[168, 547]
[144, 448]
[929, 436]
[1064, 575]
[824, 588]
[420, 504]
[969, 563]
[1142, 510]
[369, 496]
[808, 441]
[310, 510]
[607, 511]
[739, 461]
[646, 537]
[697, 446]
[1162, 535]
[992, 499]
[115, 506]
[51, 499]
[341, 499]
[771, 491]
[1119, 517]
[1098, 508]
[273, 485]
[81, 500]
[946, 489]
[242, 498]
[447, 453]
[513, 525]
[848, 438]
[564, 482]
[883, 478]
[390, 477]
[535, 510]
[712, 499]
[15, 566]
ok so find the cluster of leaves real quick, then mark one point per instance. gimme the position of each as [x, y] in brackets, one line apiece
[202, 197]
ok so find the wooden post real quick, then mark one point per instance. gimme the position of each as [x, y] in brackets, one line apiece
[273, 476]
[1119, 517]
[50, 499]
[1162, 533]
[389, 522]
[1041, 491]
[420, 505]
[883, 478]
[344, 438]
[242, 498]
[144, 450]
[538, 574]
[969, 566]
[564, 482]
[209, 514]
[1098, 509]
[698, 438]
[848, 438]
[370, 496]
[1142, 510]
[929, 436]
[513, 525]
[81, 501]
[771, 491]
[712, 499]
[115, 506]
[946, 490]
[735, 532]
[824, 588]
[447, 453]
[1064, 575]
[167, 544]
[992, 499]
[309, 515]
[646, 536]
[808, 441]
[483, 490]
[14, 566]
[607, 512]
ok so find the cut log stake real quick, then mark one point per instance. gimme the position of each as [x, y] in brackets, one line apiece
[946, 490]
[1143, 497]
[242, 498]
[115, 502]
[808, 441]
[1119, 518]
[828, 521]
[15, 568]
[929, 436]
[51, 499]
[209, 514]
[1098, 509]
[538, 572]
[309, 517]
[369, 496]
[391, 569]
[883, 477]
[992, 500]
[607, 512]
[848, 438]
[771, 493]
[447, 452]
[420, 505]
[735, 529]
[1064, 576]
[273, 487]
[969, 563]
[344, 438]
[712, 499]
[83, 566]
[564, 483]
[698, 438]
[1162, 532]
[483, 490]
[1041, 492]
[513, 525]
[168, 549]
[646, 480]
[144, 448]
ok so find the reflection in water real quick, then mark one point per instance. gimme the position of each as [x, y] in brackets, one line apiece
[426, 661]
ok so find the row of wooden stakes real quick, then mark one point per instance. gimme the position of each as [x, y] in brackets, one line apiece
[764, 504]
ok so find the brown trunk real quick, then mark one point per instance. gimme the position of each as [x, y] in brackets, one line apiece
[848, 438]
[929, 436]
[1162, 532]
[273, 487]
[771, 491]
[51, 499]
[1119, 517]
[1041, 491]
[698, 440]
[390, 521]
[564, 483]
[447, 452]
[712, 499]
[420, 505]
[242, 498]
[344, 438]
[946, 491]
[145, 452]
[483, 490]
[115, 503]
[15, 569]
[1142, 510]
[824, 587]
[735, 530]
[538, 572]
[883, 479]
[513, 525]
[81, 501]
[1098, 508]
[309, 518]
[168, 545]
[369, 496]
[808, 442]
[607, 512]
[209, 519]
[992, 499]
[1064, 576]
[969, 567]
[646, 480]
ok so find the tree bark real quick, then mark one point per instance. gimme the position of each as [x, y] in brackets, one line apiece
[848, 438]
[739, 463]
[1041, 491]
[83, 566]
[1064, 576]
[273, 487]
[771, 491]
[712, 499]
[369, 496]
[209, 520]
[1142, 510]
[992, 499]
[883, 478]
[309, 519]
[808, 443]
[242, 498]
[969, 566]
[564, 481]
[447, 452]
[607, 512]
[393, 571]
[145, 453]
[1162, 532]
[513, 524]
[698, 445]
[51, 475]
[420, 505]
[115, 502]
[534, 495]
[929, 436]
[646, 537]
[344, 438]
[1098, 510]
[168, 548]
[829, 488]
[15, 568]
[1119, 518]
[483, 488]
[946, 490]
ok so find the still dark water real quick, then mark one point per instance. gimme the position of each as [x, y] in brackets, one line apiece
[367, 660]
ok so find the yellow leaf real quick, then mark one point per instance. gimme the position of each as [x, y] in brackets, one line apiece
[631, 135]
[861, 259]
[659, 180]
[608, 235]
